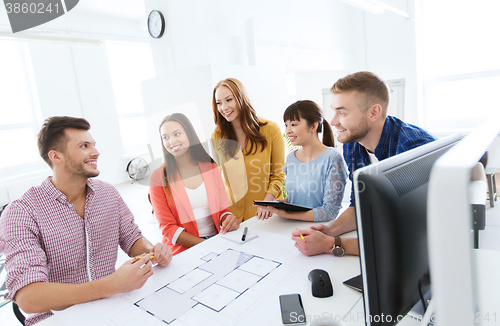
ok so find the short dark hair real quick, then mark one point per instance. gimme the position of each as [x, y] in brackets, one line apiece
[373, 89]
[53, 137]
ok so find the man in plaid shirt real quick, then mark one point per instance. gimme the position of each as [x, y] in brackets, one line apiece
[61, 237]
[360, 103]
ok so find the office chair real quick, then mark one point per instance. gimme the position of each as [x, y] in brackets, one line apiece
[492, 185]
[478, 200]
[18, 313]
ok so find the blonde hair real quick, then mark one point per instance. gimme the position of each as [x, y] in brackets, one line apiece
[373, 89]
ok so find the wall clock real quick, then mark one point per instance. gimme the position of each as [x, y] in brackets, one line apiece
[156, 24]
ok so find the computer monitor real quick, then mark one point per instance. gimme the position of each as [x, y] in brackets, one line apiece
[391, 205]
[461, 282]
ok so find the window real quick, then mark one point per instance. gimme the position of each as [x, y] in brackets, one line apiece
[460, 66]
[130, 64]
[19, 121]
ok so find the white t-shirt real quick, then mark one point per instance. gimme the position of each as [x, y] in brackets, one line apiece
[201, 210]
[372, 157]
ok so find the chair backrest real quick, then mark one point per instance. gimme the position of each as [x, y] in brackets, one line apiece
[18, 313]
[478, 185]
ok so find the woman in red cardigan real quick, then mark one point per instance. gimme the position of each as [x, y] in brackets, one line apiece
[187, 192]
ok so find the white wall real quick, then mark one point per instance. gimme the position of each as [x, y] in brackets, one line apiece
[266, 88]
[317, 35]
[75, 80]
[205, 42]
[98, 107]
[319, 41]
[311, 84]
[391, 52]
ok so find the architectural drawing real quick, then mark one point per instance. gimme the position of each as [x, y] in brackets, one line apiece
[218, 282]
[215, 283]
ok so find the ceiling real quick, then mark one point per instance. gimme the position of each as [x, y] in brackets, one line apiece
[124, 9]
[131, 10]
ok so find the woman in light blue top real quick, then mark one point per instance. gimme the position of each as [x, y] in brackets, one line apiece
[315, 173]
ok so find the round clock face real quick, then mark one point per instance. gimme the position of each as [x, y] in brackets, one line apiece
[156, 24]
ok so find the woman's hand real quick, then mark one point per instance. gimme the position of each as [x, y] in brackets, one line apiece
[228, 223]
[162, 254]
[273, 210]
[262, 213]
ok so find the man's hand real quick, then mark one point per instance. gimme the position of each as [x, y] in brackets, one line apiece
[229, 222]
[312, 242]
[322, 228]
[132, 275]
[40, 297]
[162, 254]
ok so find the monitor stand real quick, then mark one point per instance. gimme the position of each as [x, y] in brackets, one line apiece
[417, 312]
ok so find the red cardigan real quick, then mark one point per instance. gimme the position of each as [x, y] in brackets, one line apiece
[174, 210]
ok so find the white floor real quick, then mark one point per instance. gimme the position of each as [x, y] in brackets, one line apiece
[136, 197]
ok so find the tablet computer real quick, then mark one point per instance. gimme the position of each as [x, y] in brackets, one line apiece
[281, 205]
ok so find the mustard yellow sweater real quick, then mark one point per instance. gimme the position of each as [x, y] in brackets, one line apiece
[250, 177]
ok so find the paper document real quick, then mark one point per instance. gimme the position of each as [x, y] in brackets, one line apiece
[216, 282]
[236, 236]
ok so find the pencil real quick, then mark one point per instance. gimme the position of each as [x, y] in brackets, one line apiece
[139, 257]
[301, 236]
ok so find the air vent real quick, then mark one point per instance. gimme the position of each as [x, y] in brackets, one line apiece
[412, 175]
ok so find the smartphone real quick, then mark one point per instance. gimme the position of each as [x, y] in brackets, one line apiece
[292, 310]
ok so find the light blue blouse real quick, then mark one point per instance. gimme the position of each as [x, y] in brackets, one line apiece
[318, 184]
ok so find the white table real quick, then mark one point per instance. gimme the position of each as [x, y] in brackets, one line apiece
[341, 269]
[339, 306]
[344, 299]
[347, 303]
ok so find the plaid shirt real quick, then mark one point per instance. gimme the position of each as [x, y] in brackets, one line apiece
[397, 137]
[46, 241]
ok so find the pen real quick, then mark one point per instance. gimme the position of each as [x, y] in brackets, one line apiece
[244, 234]
[139, 257]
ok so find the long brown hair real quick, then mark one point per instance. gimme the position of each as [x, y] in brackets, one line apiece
[196, 150]
[311, 112]
[248, 118]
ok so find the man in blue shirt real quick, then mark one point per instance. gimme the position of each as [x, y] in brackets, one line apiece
[360, 103]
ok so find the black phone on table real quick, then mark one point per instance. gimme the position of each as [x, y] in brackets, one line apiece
[292, 310]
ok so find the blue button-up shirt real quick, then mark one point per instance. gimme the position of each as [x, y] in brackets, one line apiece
[397, 137]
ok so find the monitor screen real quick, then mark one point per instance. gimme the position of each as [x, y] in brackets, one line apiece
[391, 204]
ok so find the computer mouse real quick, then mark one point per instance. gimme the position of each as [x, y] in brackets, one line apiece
[321, 286]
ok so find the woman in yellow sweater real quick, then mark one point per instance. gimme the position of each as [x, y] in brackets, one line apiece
[249, 150]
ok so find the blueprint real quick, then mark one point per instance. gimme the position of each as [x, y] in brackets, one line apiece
[213, 285]
[217, 282]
